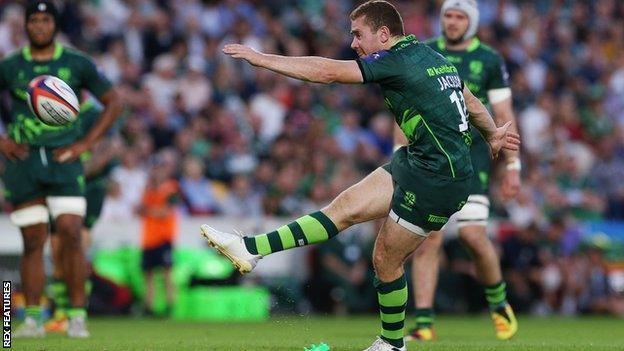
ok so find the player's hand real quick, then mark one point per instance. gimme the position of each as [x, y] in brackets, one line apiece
[503, 139]
[12, 150]
[243, 52]
[510, 185]
[70, 153]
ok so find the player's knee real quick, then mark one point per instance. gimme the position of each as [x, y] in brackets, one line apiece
[386, 268]
[69, 229]
[346, 208]
[34, 242]
[72, 242]
[380, 259]
[352, 216]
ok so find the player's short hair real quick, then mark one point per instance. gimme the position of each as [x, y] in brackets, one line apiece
[379, 13]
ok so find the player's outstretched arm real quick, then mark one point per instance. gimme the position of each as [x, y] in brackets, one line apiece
[308, 68]
[498, 138]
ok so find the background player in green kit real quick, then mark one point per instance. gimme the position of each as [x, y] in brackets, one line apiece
[483, 71]
[98, 165]
[44, 175]
[425, 183]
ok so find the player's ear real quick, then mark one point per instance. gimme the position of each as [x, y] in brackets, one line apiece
[384, 34]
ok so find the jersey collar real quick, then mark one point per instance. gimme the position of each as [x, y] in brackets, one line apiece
[58, 51]
[404, 41]
[474, 44]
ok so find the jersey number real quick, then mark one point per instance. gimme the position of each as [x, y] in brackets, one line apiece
[458, 100]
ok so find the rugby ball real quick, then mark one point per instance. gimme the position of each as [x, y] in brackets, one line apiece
[52, 101]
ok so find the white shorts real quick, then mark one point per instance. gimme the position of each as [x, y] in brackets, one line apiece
[476, 211]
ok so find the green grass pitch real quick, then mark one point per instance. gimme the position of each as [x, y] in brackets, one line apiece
[349, 333]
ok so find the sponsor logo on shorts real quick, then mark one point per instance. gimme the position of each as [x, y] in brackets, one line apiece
[409, 200]
[437, 219]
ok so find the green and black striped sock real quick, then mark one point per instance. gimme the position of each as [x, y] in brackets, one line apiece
[34, 312]
[496, 295]
[424, 317]
[309, 229]
[77, 312]
[392, 302]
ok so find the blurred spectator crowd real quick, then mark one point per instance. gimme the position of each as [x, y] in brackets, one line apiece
[247, 142]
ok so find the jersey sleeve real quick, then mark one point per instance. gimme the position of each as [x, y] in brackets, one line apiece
[380, 67]
[93, 80]
[499, 77]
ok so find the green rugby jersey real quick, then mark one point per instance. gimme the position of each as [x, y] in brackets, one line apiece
[481, 69]
[424, 92]
[19, 68]
[479, 66]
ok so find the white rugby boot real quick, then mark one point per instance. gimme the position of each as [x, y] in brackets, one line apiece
[231, 246]
[29, 329]
[77, 327]
[381, 345]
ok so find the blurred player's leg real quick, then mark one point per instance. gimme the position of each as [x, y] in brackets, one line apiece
[57, 289]
[149, 292]
[32, 219]
[489, 272]
[68, 213]
[154, 259]
[368, 199]
[393, 245]
[167, 263]
[425, 267]
[74, 264]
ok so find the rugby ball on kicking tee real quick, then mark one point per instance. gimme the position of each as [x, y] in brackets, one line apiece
[52, 101]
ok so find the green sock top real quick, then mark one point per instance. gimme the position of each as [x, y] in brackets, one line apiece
[496, 295]
[76, 312]
[424, 317]
[34, 312]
